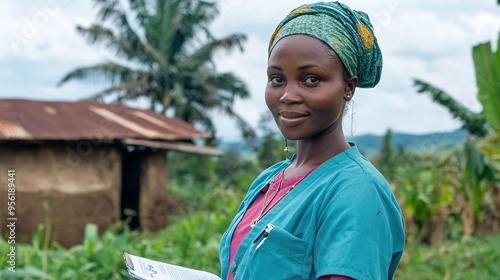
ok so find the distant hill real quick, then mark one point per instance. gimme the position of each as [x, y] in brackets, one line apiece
[369, 144]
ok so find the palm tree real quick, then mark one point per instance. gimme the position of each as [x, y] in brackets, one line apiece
[164, 53]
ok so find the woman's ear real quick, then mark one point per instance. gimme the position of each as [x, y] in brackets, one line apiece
[350, 88]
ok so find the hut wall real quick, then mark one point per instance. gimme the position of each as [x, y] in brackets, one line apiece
[154, 200]
[68, 185]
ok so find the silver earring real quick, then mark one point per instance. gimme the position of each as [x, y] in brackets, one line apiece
[286, 146]
[347, 98]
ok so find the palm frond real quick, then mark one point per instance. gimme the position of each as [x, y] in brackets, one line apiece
[127, 90]
[99, 34]
[228, 82]
[204, 54]
[106, 8]
[141, 12]
[247, 131]
[127, 45]
[108, 71]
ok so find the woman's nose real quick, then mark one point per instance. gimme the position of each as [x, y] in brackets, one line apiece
[291, 94]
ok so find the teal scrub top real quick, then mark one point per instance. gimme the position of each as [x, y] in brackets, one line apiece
[342, 219]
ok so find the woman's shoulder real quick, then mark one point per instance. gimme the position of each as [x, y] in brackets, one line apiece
[354, 170]
[352, 162]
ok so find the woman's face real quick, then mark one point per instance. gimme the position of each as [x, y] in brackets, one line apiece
[305, 89]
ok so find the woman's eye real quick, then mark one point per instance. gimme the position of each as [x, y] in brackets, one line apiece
[276, 80]
[311, 80]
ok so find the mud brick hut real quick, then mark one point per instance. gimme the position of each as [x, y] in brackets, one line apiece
[85, 162]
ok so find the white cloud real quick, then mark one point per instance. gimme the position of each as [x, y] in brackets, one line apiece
[46, 30]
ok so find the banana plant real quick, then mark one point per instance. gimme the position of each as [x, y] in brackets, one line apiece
[487, 66]
[481, 165]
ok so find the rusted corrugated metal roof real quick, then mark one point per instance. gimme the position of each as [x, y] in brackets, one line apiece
[45, 120]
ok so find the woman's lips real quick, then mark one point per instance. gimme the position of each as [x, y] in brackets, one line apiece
[292, 118]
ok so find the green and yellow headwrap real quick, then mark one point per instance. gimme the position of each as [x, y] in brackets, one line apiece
[349, 33]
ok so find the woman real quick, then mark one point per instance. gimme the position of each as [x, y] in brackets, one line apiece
[325, 213]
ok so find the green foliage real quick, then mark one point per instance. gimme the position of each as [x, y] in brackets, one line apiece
[235, 171]
[476, 258]
[422, 195]
[193, 179]
[271, 148]
[487, 66]
[444, 194]
[96, 256]
[475, 181]
[420, 183]
[386, 160]
[27, 272]
[188, 168]
[480, 173]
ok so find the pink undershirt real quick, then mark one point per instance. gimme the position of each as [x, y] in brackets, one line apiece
[243, 227]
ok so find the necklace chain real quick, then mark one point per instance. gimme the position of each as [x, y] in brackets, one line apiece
[264, 209]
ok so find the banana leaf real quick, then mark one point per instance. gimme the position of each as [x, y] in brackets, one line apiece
[487, 66]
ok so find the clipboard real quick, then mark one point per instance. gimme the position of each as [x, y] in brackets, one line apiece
[147, 269]
[128, 261]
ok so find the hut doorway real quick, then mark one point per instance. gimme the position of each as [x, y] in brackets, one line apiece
[132, 159]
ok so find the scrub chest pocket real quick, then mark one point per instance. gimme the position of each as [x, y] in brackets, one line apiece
[275, 254]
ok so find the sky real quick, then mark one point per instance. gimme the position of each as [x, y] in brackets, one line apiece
[430, 40]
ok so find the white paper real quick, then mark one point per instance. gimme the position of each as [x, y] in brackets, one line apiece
[146, 269]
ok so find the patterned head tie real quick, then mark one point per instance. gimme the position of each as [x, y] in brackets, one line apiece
[348, 32]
